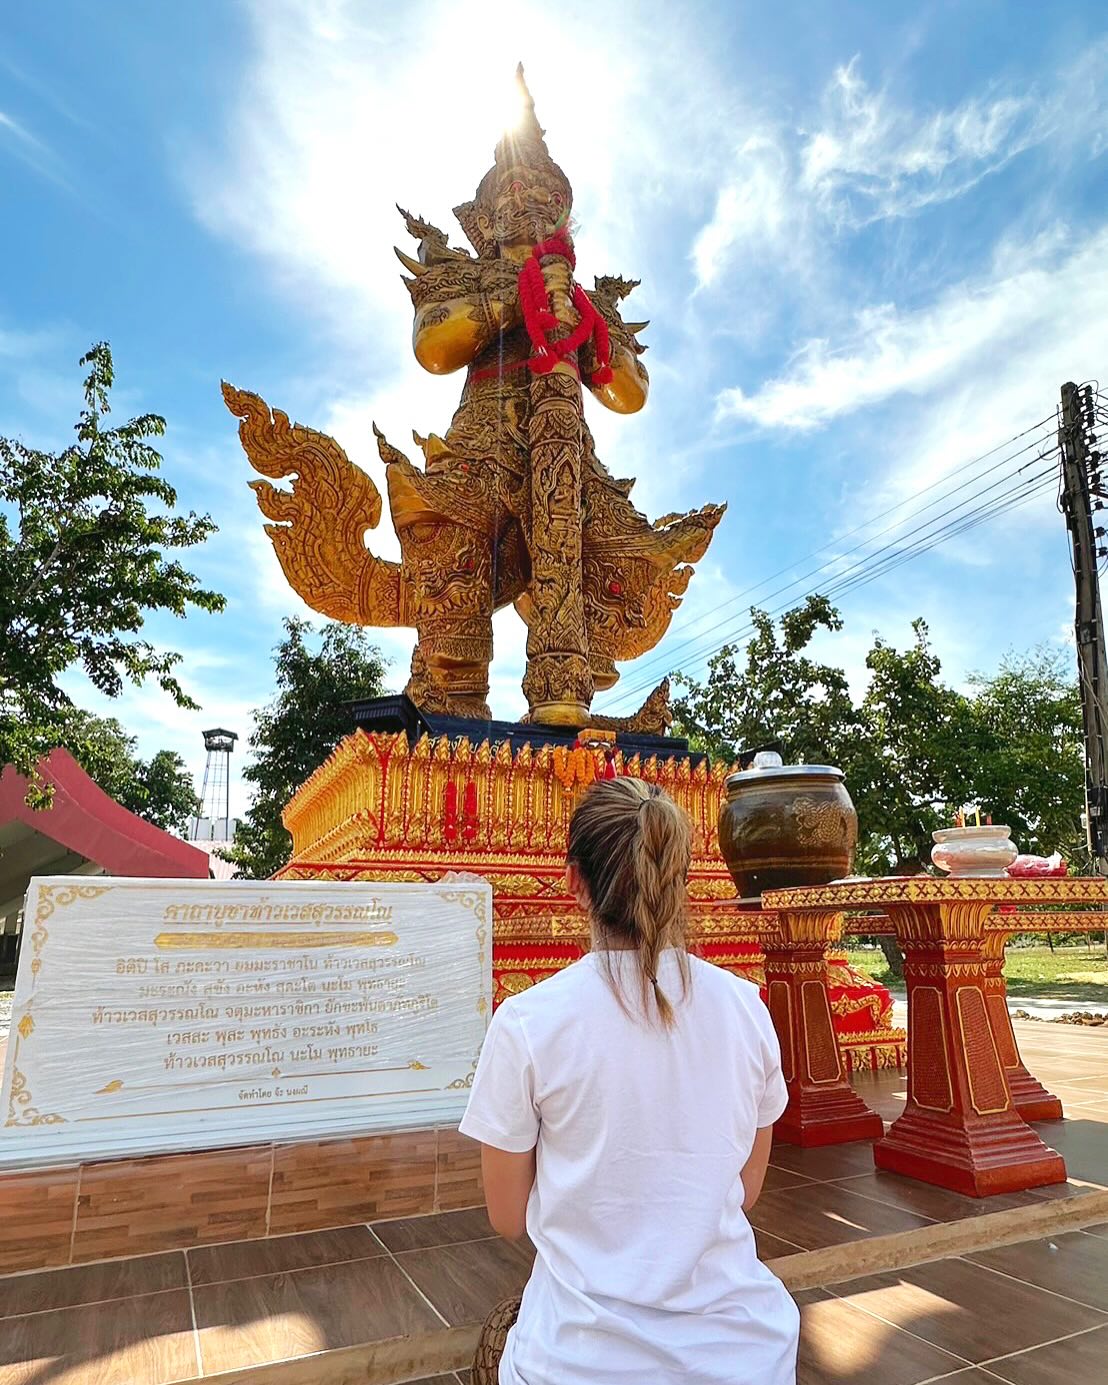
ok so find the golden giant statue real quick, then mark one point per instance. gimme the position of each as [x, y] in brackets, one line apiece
[513, 504]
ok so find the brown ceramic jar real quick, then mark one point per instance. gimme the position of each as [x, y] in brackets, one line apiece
[787, 825]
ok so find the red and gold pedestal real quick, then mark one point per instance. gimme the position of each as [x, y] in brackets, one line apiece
[823, 1108]
[382, 808]
[960, 1128]
[1029, 1097]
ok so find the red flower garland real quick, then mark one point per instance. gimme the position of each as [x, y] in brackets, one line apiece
[539, 317]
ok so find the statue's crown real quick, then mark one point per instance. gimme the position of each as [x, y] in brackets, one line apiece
[520, 149]
[524, 144]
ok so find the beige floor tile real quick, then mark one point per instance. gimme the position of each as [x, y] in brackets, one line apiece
[927, 1200]
[66, 1288]
[968, 1310]
[832, 1161]
[839, 1343]
[245, 1259]
[447, 1228]
[1072, 1264]
[273, 1317]
[465, 1282]
[828, 1214]
[1079, 1360]
[133, 1341]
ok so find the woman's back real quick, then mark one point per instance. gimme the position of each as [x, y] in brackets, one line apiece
[645, 1260]
[619, 1104]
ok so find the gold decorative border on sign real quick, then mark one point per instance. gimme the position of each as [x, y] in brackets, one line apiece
[20, 1109]
[209, 942]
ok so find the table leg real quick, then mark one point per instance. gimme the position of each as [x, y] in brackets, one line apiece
[823, 1108]
[960, 1129]
[1030, 1098]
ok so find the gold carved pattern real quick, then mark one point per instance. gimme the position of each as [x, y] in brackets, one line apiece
[1003, 1034]
[815, 928]
[928, 1069]
[844, 1005]
[320, 525]
[1060, 921]
[927, 889]
[378, 793]
[969, 971]
[821, 1049]
[780, 1002]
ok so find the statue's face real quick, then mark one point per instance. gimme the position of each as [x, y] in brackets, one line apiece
[528, 208]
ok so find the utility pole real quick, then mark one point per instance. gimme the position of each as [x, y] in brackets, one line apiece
[1080, 480]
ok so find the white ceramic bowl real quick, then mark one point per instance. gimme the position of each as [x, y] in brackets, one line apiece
[973, 851]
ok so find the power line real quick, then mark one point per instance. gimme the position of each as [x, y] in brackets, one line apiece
[867, 569]
[668, 656]
[1019, 496]
[865, 524]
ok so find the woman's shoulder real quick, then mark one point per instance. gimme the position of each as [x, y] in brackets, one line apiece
[725, 985]
[560, 989]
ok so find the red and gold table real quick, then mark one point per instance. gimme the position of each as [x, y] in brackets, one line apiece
[964, 1126]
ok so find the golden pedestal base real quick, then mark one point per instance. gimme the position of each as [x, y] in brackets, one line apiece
[383, 808]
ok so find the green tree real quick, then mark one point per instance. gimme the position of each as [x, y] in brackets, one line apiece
[1031, 769]
[295, 732]
[84, 535]
[913, 749]
[915, 757]
[776, 692]
[160, 789]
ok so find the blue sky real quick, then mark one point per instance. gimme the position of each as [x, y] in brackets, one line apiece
[872, 239]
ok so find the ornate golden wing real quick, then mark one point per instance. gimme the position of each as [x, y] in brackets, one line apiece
[635, 573]
[320, 525]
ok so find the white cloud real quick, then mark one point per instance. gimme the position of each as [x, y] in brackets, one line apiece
[753, 206]
[340, 116]
[863, 158]
[24, 145]
[1035, 316]
[871, 159]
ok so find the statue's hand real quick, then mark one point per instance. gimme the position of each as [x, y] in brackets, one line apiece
[557, 275]
[626, 392]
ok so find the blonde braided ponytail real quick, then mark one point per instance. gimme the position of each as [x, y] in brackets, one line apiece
[631, 845]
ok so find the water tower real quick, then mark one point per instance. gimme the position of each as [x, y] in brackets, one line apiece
[214, 820]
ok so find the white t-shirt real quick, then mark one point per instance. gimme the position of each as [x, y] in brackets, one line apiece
[646, 1269]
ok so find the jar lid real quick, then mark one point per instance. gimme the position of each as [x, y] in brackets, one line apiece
[758, 776]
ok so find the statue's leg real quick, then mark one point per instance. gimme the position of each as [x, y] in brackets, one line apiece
[455, 654]
[449, 573]
[558, 682]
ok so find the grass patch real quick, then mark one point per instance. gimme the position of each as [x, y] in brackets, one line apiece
[870, 961]
[1073, 973]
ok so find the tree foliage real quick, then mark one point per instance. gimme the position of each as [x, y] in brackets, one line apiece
[84, 538]
[913, 749]
[295, 732]
[160, 789]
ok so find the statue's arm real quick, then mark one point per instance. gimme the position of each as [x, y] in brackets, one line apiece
[626, 391]
[461, 306]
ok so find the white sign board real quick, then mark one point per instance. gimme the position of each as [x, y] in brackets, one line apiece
[175, 1014]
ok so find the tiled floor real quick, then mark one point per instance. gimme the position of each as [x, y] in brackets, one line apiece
[1029, 1314]
[1026, 1314]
